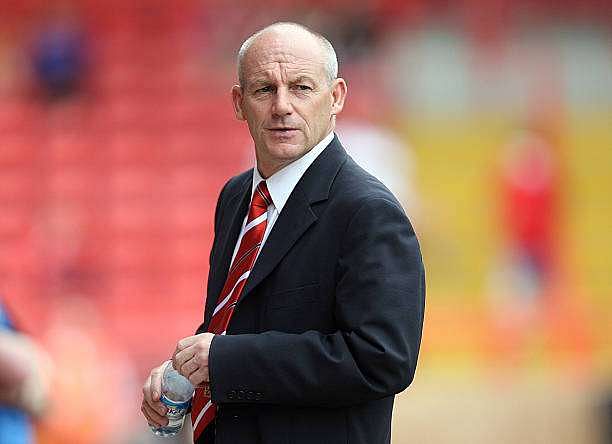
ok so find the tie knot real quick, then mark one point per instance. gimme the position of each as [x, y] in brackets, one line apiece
[261, 197]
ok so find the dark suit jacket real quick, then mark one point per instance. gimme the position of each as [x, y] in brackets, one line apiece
[328, 327]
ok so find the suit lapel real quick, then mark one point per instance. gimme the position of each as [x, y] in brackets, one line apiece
[297, 215]
[293, 221]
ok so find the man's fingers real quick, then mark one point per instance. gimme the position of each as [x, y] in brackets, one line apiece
[151, 391]
[192, 347]
[156, 406]
[146, 391]
[181, 357]
[148, 417]
[155, 385]
[187, 342]
[189, 367]
[153, 417]
[159, 407]
[199, 376]
[152, 409]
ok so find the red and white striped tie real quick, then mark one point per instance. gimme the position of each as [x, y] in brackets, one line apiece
[203, 410]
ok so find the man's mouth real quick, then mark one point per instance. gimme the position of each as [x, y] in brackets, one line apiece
[282, 130]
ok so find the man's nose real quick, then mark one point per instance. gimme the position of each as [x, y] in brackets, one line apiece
[282, 103]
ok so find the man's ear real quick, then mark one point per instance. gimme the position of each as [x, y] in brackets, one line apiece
[339, 91]
[237, 101]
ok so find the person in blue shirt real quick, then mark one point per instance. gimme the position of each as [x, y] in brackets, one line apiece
[22, 395]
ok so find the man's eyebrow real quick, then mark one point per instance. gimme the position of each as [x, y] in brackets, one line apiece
[258, 82]
[303, 78]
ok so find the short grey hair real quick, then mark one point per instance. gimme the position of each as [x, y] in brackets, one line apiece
[331, 60]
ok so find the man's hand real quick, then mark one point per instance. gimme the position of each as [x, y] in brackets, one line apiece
[152, 408]
[190, 358]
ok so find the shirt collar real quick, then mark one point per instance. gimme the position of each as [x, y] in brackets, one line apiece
[282, 183]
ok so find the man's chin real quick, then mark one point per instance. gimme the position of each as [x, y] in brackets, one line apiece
[289, 146]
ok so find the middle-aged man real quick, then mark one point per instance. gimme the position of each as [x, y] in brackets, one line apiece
[316, 285]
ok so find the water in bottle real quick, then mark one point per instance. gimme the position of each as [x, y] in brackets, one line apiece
[176, 395]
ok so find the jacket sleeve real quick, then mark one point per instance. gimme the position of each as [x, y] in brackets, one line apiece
[379, 304]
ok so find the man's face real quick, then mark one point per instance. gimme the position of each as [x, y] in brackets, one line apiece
[286, 98]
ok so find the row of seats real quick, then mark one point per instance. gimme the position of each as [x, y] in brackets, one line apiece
[124, 113]
[111, 195]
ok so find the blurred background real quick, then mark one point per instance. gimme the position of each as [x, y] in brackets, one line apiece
[492, 120]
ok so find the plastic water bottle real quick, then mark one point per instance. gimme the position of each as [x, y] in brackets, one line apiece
[176, 395]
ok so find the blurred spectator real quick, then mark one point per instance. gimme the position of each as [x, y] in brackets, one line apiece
[607, 417]
[529, 189]
[96, 379]
[23, 387]
[59, 56]
[522, 279]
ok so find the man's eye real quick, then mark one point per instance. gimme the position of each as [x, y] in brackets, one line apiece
[264, 89]
[303, 87]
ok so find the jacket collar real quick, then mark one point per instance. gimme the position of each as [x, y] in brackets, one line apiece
[297, 216]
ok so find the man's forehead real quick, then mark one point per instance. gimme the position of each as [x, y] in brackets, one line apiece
[290, 37]
[288, 46]
[264, 50]
[271, 61]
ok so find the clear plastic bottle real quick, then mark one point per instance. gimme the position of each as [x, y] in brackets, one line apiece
[176, 395]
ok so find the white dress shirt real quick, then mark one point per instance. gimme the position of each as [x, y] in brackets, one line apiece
[281, 185]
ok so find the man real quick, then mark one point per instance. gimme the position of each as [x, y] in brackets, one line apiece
[316, 325]
[23, 390]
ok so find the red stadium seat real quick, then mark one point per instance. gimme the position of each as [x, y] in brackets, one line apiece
[19, 149]
[76, 184]
[18, 186]
[16, 117]
[16, 220]
[69, 148]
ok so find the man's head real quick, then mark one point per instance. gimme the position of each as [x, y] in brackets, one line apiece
[289, 92]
